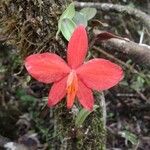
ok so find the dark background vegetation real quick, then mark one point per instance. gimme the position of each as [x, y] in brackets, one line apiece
[30, 26]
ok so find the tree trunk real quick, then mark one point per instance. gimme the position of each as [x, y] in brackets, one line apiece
[30, 26]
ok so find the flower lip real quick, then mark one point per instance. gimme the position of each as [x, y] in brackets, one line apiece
[72, 87]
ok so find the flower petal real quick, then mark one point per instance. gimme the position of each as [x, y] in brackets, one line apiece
[85, 96]
[46, 67]
[100, 74]
[57, 92]
[77, 47]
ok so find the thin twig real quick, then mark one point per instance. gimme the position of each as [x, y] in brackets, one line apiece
[103, 106]
[107, 7]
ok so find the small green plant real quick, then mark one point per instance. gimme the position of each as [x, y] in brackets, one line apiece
[71, 18]
[129, 137]
[82, 115]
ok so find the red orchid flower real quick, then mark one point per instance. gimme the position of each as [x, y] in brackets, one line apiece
[75, 78]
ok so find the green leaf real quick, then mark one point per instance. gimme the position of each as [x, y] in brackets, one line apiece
[138, 84]
[67, 28]
[82, 115]
[24, 97]
[69, 12]
[129, 137]
[88, 12]
[79, 18]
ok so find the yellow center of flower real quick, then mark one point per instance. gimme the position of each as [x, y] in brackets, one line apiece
[72, 87]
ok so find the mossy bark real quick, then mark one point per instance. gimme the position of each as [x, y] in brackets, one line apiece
[30, 26]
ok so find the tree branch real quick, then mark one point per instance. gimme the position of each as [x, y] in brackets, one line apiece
[138, 53]
[107, 7]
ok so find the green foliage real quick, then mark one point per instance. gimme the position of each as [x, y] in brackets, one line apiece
[67, 14]
[82, 115]
[71, 18]
[26, 99]
[129, 137]
[138, 84]
[88, 12]
[67, 27]
[79, 18]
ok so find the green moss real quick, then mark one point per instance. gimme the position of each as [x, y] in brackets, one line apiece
[31, 25]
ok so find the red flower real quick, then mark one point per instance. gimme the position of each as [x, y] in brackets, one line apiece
[75, 78]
